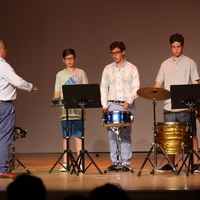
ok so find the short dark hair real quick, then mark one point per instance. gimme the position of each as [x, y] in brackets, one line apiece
[26, 186]
[108, 191]
[69, 51]
[118, 44]
[176, 38]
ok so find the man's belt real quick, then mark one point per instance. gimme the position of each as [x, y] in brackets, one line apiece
[116, 101]
[5, 101]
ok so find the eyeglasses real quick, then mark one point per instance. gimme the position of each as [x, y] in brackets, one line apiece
[68, 59]
[115, 53]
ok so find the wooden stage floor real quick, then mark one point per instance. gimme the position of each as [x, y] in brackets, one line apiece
[147, 186]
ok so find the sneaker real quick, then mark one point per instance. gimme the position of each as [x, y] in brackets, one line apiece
[166, 168]
[64, 168]
[196, 168]
[81, 167]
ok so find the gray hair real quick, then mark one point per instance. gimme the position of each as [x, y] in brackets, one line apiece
[1, 44]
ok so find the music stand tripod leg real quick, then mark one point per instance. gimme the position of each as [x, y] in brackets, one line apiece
[71, 159]
[58, 161]
[92, 162]
[191, 152]
[81, 159]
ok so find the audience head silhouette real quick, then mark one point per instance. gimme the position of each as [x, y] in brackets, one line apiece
[75, 197]
[26, 187]
[107, 192]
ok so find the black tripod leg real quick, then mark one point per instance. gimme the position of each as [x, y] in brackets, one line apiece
[166, 157]
[92, 162]
[147, 158]
[27, 170]
[184, 161]
[81, 160]
[58, 161]
[13, 159]
[12, 164]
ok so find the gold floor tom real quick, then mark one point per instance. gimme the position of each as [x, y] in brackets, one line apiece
[173, 137]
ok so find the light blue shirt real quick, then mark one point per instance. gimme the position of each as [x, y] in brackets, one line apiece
[177, 72]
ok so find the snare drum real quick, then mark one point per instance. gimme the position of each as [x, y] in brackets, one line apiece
[117, 118]
[173, 137]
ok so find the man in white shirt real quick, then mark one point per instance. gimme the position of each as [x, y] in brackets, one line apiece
[119, 85]
[9, 81]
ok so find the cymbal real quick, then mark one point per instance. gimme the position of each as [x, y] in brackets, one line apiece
[154, 93]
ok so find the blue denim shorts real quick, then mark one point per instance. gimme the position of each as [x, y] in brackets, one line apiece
[74, 128]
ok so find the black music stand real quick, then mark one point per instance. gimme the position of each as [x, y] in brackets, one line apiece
[70, 159]
[82, 96]
[187, 96]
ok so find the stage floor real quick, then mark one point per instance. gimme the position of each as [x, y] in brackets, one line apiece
[147, 186]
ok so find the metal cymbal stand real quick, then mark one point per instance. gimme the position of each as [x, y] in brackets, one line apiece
[154, 148]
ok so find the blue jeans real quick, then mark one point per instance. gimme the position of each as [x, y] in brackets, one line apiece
[125, 135]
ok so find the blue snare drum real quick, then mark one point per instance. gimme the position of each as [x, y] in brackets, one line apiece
[117, 118]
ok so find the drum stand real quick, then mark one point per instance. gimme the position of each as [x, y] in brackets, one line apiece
[13, 159]
[154, 149]
[118, 150]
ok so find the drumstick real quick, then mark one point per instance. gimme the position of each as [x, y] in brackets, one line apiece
[119, 104]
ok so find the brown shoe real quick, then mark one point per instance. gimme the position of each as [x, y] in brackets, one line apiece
[8, 175]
